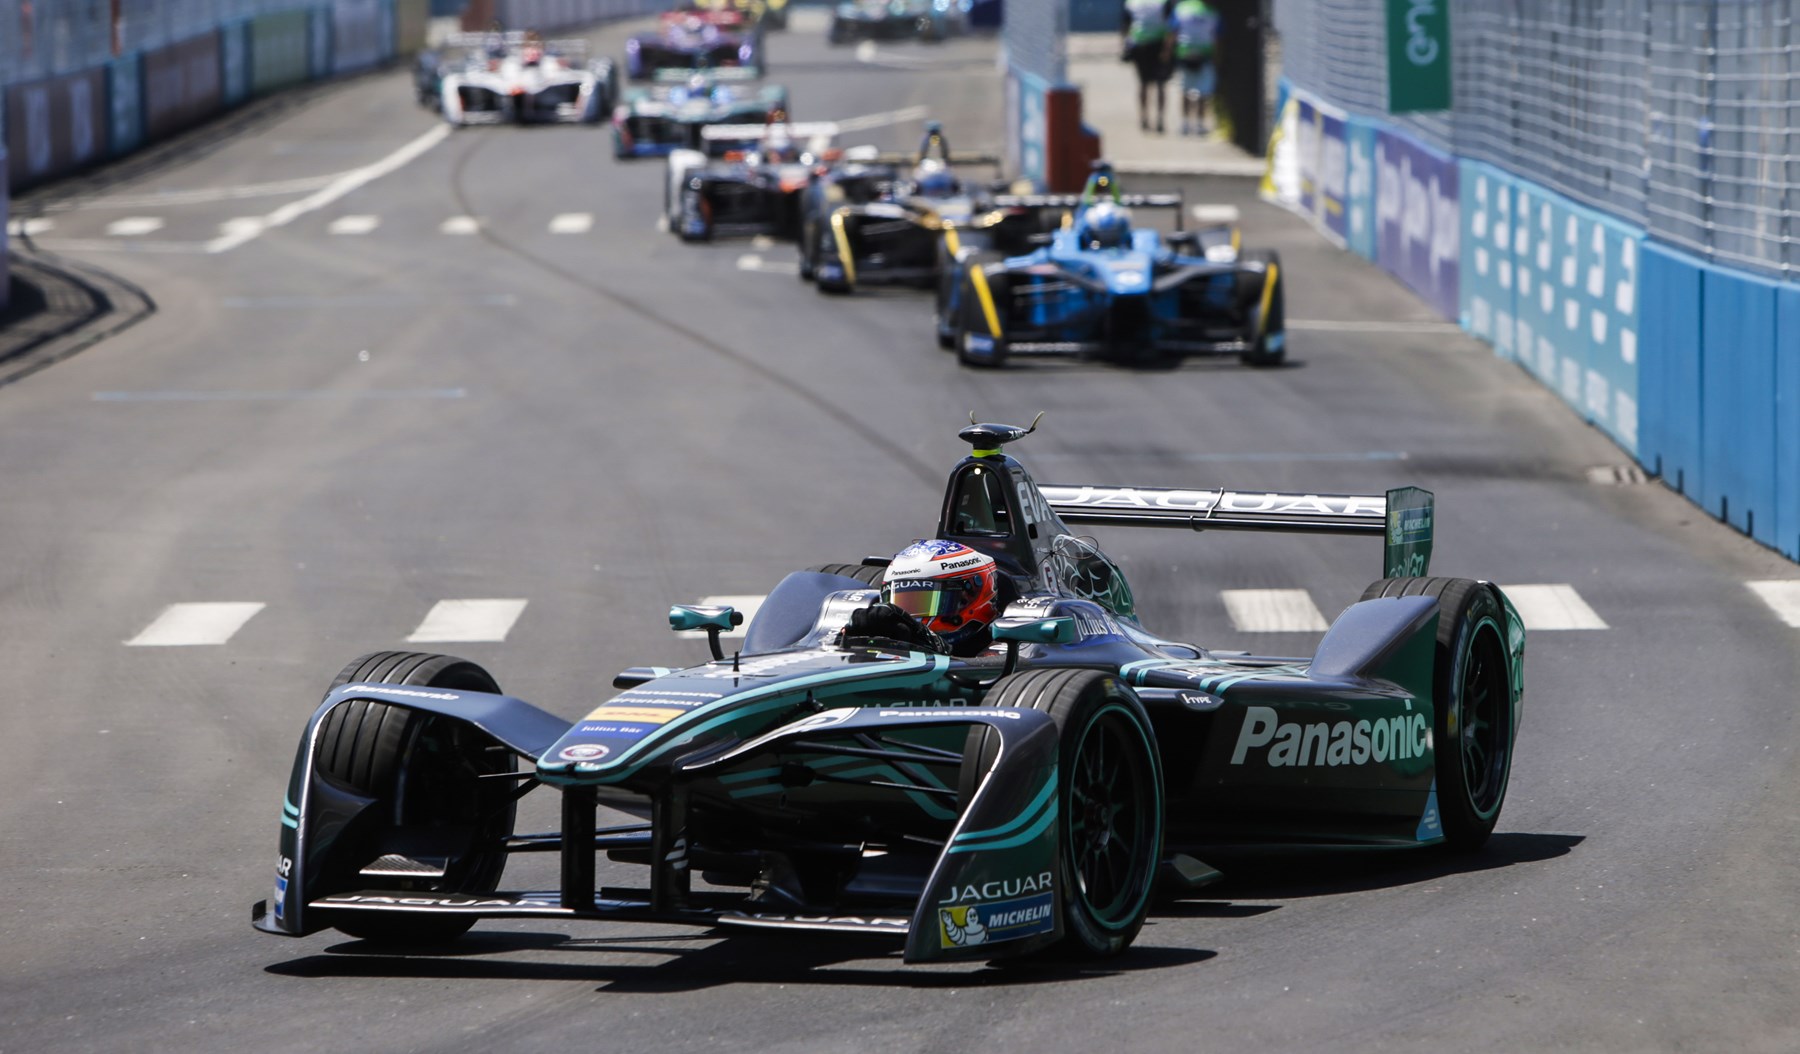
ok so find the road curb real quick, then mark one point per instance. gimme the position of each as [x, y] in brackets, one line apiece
[61, 308]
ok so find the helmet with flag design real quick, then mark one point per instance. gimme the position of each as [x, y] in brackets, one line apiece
[950, 588]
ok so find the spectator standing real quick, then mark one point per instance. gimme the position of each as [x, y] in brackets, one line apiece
[1148, 46]
[1195, 27]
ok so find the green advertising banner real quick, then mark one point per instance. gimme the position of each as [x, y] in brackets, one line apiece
[1418, 35]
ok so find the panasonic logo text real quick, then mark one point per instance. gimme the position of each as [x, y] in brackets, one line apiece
[1331, 743]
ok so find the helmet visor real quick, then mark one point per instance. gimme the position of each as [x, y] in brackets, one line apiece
[931, 600]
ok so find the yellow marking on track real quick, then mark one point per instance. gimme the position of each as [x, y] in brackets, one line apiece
[842, 237]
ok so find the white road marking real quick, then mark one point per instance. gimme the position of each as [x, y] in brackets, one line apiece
[1272, 610]
[762, 242]
[460, 225]
[463, 621]
[662, 223]
[883, 119]
[353, 224]
[572, 223]
[134, 226]
[339, 186]
[33, 226]
[298, 395]
[198, 197]
[242, 225]
[1783, 597]
[747, 605]
[1329, 325]
[754, 262]
[1553, 607]
[182, 625]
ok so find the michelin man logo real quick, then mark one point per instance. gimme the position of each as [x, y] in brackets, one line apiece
[961, 927]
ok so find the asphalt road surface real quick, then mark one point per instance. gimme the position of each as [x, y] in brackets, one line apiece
[351, 413]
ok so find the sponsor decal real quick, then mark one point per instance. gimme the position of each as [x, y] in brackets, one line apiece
[1005, 715]
[647, 715]
[1223, 501]
[760, 666]
[440, 902]
[958, 563]
[871, 921]
[967, 925]
[284, 867]
[583, 752]
[999, 889]
[1201, 701]
[1328, 744]
[410, 693]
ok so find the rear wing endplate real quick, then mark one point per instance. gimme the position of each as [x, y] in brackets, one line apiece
[804, 131]
[1403, 516]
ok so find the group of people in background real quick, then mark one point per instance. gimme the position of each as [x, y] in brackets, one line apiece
[1162, 36]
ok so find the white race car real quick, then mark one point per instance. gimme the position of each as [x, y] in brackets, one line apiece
[518, 78]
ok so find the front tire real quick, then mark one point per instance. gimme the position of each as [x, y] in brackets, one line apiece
[1110, 802]
[425, 773]
[1472, 720]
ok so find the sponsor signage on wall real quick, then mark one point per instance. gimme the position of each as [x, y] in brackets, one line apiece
[182, 84]
[1417, 218]
[55, 125]
[1418, 38]
[1324, 171]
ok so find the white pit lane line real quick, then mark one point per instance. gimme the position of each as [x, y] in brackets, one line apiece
[572, 223]
[465, 621]
[353, 224]
[1782, 596]
[460, 225]
[134, 226]
[183, 625]
[754, 262]
[1552, 607]
[1272, 611]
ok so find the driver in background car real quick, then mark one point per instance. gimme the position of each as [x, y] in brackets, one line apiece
[938, 595]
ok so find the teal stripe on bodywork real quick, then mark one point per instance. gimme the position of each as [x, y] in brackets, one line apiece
[289, 807]
[1028, 834]
[914, 672]
[289, 821]
[1045, 797]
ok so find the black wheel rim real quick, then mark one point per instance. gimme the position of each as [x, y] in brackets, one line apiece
[1111, 815]
[1483, 728]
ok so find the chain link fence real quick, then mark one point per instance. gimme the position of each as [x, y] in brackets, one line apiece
[1682, 116]
[1034, 39]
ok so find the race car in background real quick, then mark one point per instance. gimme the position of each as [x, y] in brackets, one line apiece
[854, 20]
[875, 219]
[1104, 288]
[690, 39]
[745, 192]
[651, 122]
[843, 774]
[515, 77]
[768, 14]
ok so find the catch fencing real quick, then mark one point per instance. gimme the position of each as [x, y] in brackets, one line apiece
[1612, 200]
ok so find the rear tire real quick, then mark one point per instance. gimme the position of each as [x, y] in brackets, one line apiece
[424, 772]
[1110, 802]
[861, 572]
[1472, 720]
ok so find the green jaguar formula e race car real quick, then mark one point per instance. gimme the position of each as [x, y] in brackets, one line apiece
[834, 777]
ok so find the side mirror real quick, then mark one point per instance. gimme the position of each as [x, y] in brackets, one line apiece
[714, 620]
[1017, 631]
[1035, 630]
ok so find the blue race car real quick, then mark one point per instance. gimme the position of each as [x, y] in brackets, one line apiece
[1099, 287]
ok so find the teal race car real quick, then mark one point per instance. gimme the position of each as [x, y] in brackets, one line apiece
[835, 777]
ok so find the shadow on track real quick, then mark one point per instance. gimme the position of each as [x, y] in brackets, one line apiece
[1299, 874]
[731, 959]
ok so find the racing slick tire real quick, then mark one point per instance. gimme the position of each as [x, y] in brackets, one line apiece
[1472, 693]
[1270, 348]
[861, 572]
[1109, 805]
[425, 771]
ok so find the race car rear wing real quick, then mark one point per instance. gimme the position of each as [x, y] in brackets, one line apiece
[1075, 201]
[1403, 516]
[802, 131]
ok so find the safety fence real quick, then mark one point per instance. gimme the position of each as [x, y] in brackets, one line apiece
[1613, 202]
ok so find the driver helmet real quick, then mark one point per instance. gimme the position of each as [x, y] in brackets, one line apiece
[953, 590]
[934, 179]
[1105, 226]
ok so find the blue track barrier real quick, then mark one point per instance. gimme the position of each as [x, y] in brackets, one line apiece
[1737, 415]
[1787, 420]
[1669, 384]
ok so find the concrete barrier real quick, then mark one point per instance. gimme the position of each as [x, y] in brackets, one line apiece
[234, 62]
[1669, 377]
[183, 85]
[55, 125]
[357, 34]
[1787, 420]
[5, 234]
[125, 114]
[1737, 400]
